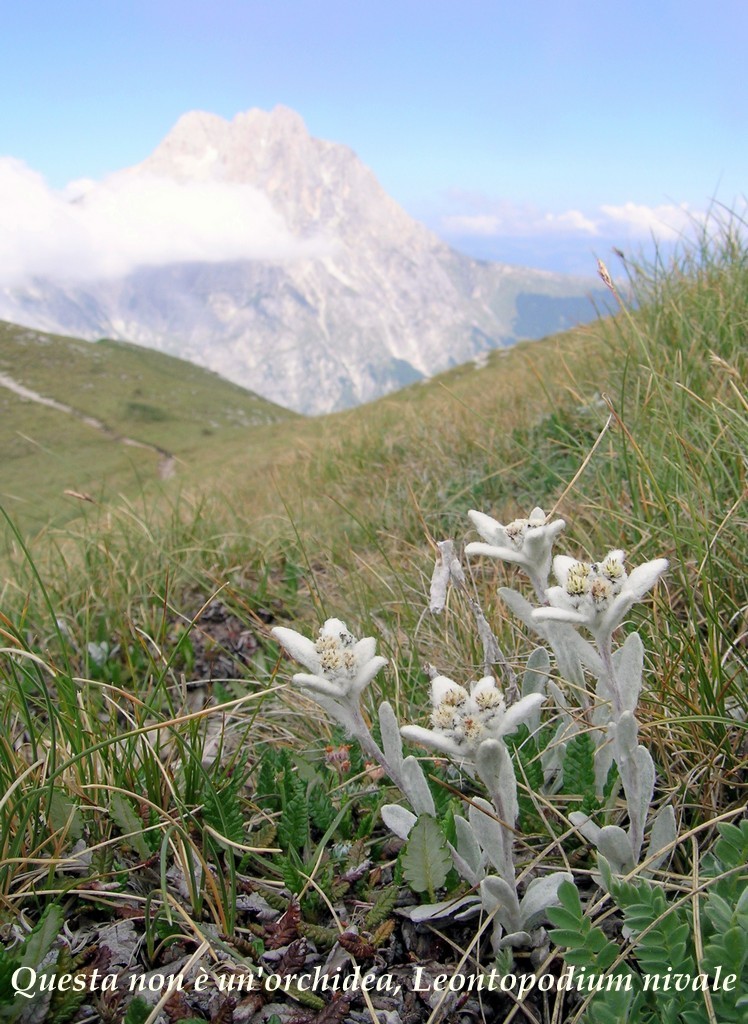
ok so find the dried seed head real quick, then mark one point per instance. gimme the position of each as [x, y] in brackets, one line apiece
[604, 275]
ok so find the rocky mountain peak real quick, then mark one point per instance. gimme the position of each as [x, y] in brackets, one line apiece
[191, 151]
[378, 303]
[316, 186]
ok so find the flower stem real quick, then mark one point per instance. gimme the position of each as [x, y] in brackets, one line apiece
[361, 733]
[605, 650]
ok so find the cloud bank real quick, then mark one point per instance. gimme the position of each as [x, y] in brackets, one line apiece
[567, 240]
[633, 220]
[98, 230]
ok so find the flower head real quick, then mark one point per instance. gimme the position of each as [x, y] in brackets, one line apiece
[525, 542]
[461, 720]
[597, 595]
[339, 665]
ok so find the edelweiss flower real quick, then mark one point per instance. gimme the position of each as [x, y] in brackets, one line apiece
[339, 665]
[597, 595]
[526, 542]
[461, 720]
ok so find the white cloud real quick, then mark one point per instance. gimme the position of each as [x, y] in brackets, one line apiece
[94, 230]
[631, 222]
[667, 222]
[485, 224]
[502, 218]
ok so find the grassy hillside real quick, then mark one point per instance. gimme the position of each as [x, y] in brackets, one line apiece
[159, 766]
[169, 407]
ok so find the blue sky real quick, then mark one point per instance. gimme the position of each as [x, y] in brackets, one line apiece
[537, 132]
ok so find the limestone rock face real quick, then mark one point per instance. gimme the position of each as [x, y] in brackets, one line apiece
[355, 300]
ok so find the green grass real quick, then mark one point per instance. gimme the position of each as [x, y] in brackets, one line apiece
[151, 398]
[635, 427]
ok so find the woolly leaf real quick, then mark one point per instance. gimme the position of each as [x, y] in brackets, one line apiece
[416, 788]
[398, 819]
[426, 861]
[628, 661]
[663, 835]
[467, 845]
[459, 909]
[586, 826]
[536, 672]
[497, 771]
[614, 844]
[540, 894]
[392, 742]
[495, 892]
[487, 831]
[500, 898]
[522, 609]
[646, 775]
[603, 764]
[625, 735]
[440, 577]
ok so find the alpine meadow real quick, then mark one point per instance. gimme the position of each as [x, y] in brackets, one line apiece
[432, 709]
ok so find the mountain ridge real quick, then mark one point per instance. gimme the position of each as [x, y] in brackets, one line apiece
[357, 299]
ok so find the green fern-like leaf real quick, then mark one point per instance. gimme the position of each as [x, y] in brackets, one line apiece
[223, 811]
[732, 846]
[579, 771]
[8, 964]
[727, 946]
[383, 907]
[666, 937]
[292, 876]
[293, 826]
[264, 836]
[322, 810]
[291, 786]
[65, 1003]
[266, 788]
[587, 946]
[323, 938]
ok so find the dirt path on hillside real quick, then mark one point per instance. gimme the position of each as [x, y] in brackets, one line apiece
[167, 461]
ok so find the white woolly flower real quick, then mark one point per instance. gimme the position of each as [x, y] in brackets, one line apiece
[597, 595]
[525, 542]
[339, 665]
[461, 720]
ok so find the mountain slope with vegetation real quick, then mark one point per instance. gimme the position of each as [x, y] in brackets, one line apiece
[161, 773]
[90, 418]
